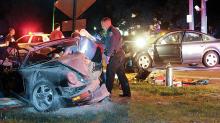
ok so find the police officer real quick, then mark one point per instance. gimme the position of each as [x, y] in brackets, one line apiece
[115, 57]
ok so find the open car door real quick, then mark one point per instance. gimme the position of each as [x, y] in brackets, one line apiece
[168, 48]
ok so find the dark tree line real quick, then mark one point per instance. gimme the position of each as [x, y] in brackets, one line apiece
[172, 13]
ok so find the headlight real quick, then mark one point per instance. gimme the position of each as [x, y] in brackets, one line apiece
[140, 42]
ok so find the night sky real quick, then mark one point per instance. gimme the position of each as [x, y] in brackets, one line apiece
[36, 15]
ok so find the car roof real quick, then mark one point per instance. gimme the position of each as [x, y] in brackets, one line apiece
[35, 34]
[185, 30]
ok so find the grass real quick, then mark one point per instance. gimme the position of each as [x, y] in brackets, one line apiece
[186, 104]
[149, 103]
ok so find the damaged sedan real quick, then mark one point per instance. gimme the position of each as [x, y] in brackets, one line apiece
[48, 78]
[183, 47]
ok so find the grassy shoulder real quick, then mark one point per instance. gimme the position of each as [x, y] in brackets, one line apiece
[151, 103]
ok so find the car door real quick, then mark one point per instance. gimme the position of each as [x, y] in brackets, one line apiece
[192, 47]
[168, 47]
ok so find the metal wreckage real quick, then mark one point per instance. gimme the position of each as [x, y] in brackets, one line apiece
[53, 74]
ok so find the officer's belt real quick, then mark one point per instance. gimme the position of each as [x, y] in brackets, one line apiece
[117, 51]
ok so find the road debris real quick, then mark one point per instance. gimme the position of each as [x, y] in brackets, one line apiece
[158, 77]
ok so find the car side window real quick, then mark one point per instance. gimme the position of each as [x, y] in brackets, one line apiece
[24, 39]
[173, 38]
[190, 37]
[37, 39]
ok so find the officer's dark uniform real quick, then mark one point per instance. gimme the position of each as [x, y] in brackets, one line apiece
[113, 49]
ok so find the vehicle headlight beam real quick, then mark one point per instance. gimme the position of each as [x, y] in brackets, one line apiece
[140, 42]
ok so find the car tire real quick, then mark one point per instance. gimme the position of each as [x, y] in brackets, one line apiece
[45, 97]
[210, 59]
[143, 61]
[193, 64]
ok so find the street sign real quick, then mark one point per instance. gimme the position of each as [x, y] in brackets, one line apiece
[66, 6]
[67, 25]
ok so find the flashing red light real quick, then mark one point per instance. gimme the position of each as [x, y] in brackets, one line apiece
[30, 27]
[30, 33]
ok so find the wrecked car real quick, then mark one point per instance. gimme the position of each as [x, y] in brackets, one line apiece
[47, 78]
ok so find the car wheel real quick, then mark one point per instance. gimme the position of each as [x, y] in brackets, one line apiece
[210, 59]
[143, 61]
[45, 97]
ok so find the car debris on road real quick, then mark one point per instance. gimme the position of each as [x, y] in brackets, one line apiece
[158, 78]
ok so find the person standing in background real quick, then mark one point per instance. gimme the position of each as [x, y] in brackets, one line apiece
[56, 34]
[10, 37]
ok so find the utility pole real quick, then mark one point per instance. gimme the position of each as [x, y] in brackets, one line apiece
[203, 16]
[191, 15]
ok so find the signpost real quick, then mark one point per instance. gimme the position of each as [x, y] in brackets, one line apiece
[74, 15]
